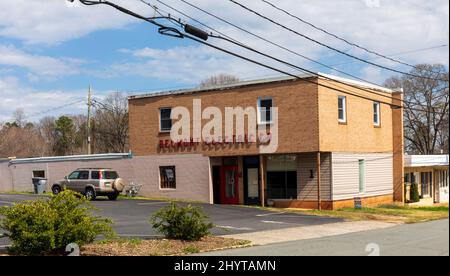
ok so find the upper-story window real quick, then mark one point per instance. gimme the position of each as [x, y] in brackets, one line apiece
[265, 110]
[165, 119]
[376, 114]
[342, 109]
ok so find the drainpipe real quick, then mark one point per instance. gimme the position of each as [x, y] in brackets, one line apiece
[319, 196]
[263, 180]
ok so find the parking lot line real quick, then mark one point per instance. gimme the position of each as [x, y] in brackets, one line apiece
[153, 203]
[271, 214]
[273, 222]
[235, 228]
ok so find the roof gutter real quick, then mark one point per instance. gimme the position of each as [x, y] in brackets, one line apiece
[109, 156]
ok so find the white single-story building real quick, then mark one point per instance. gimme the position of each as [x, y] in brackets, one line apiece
[430, 172]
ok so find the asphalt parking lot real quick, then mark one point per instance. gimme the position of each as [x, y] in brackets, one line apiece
[131, 217]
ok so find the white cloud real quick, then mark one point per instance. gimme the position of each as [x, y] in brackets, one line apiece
[189, 64]
[53, 21]
[375, 75]
[38, 66]
[384, 26]
[381, 25]
[14, 95]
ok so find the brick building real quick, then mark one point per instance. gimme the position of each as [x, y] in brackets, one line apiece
[330, 147]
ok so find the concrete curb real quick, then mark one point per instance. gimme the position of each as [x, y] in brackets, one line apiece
[310, 232]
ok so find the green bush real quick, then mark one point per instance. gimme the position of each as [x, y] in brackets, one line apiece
[47, 227]
[182, 223]
[414, 193]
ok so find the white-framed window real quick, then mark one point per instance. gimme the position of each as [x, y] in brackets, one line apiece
[376, 114]
[165, 120]
[342, 109]
[265, 110]
[39, 174]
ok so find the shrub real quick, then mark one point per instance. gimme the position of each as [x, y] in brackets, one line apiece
[31, 227]
[47, 227]
[414, 193]
[182, 223]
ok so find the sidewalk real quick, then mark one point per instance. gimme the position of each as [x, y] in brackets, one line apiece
[310, 232]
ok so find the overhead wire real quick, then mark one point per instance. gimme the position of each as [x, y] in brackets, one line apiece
[328, 46]
[339, 37]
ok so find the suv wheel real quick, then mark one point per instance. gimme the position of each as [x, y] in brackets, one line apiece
[113, 196]
[90, 194]
[56, 190]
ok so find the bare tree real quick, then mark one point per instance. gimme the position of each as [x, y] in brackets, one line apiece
[221, 79]
[47, 129]
[19, 117]
[80, 139]
[110, 126]
[21, 142]
[426, 108]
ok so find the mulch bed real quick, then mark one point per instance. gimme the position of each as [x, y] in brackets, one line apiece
[161, 247]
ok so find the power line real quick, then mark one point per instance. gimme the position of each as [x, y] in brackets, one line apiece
[278, 60]
[295, 76]
[127, 91]
[272, 43]
[53, 109]
[399, 54]
[345, 63]
[340, 38]
[303, 70]
[330, 47]
[200, 39]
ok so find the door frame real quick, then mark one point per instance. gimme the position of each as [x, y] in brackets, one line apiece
[247, 200]
[223, 191]
[217, 184]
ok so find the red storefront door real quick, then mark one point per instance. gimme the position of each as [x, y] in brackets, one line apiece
[229, 185]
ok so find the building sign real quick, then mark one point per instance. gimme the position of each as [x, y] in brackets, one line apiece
[263, 139]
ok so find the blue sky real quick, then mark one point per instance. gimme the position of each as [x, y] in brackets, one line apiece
[49, 57]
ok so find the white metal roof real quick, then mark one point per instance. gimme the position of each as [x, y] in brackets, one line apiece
[70, 158]
[260, 81]
[426, 160]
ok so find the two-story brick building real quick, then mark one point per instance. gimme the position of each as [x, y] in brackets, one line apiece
[330, 147]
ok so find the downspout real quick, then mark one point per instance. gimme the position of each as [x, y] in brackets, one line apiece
[319, 196]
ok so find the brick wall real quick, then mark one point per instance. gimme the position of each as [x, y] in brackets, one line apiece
[298, 128]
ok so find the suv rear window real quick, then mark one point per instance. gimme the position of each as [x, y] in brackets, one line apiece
[95, 175]
[109, 175]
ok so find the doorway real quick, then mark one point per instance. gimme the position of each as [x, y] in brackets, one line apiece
[217, 183]
[229, 185]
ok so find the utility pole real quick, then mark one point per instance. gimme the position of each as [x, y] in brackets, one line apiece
[89, 121]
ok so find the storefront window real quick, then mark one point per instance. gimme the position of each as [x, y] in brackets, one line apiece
[282, 177]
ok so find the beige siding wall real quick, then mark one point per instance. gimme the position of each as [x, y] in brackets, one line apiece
[307, 186]
[378, 175]
[5, 177]
[192, 173]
